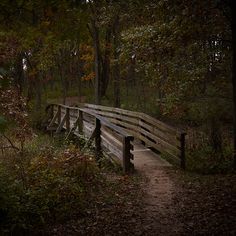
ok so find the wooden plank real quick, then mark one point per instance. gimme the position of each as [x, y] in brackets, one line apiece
[55, 108]
[124, 124]
[133, 114]
[107, 123]
[74, 113]
[118, 116]
[80, 123]
[160, 148]
[92, 136]
[97, 139]
[113, 149]
[87, 132]
[114, 133]
[127, 156]
[63, 109]
[87, 129]
[112, 109]
[154, 145]
[141, 130]
[163, 143]
[53, 119]
[61, 124]
[67, 119]
[59, 115]
[89, 118]
[146, 118]
[172, 139]
[153, 132]
[112, 139]
[159, 124]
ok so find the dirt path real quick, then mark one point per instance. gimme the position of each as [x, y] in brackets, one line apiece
[159, 211]
[182, 203]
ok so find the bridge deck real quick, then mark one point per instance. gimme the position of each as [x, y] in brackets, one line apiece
[144, 156]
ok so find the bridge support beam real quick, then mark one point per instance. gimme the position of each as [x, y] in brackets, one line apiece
[127, 155]
[80, 122]
[98, 149]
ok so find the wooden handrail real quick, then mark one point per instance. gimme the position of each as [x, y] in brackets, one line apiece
[127, 125]
[132, 114]
[107, 123]
[62, 119]
[154, 133]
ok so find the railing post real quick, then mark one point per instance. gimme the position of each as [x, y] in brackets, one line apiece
[59, 114]
[182, 154]
[68, 119]
[127, 165]
[98, 139]
[80, 123]
[52, 111]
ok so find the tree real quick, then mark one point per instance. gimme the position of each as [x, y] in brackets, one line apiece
[233, 30]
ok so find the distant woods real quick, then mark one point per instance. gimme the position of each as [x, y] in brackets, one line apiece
[174, 60]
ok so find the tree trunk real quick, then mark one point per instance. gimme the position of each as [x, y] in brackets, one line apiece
[97, 63]
[215, 135]
[19, 72]
[106, 64]
[116, 64]
[233, 28]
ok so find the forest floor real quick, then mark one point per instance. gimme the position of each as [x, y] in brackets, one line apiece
[160, 200]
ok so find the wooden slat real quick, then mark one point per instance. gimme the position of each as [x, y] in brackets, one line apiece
[160, 129]
[127, 156]
[117, 125]
[87, 129]
[159, 140]
[114, 133]
[161, 149]
[160, 134]
[172, 139]
[62, 123]
[89, 118]
[112, 139]
[54, 119]
[106, 122]
[107, 144]
[158, 123]
[124, 124]
[140, 115]
[112, 109]
[118, 116]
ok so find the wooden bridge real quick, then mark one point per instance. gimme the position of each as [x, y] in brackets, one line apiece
[114, 131]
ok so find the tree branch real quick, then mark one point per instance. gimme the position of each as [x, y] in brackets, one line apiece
[11, 143]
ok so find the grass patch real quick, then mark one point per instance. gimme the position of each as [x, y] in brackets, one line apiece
[45, 185]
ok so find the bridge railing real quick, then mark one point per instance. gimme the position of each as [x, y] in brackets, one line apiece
[154, 133]
[108, 137]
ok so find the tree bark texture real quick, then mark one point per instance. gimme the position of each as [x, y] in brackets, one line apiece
[116, 64]
[233, 28]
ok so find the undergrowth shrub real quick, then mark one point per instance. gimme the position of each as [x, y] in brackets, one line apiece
[206, 161]
[44, 186]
